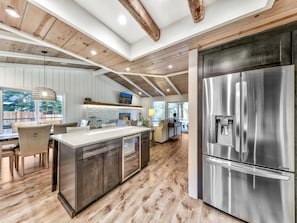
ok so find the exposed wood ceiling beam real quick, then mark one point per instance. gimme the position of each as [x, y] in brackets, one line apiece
[140, 14]
[41, 58]
[136, 86]
[197, 10]
[153, 86]
[172, 85]
[100, 72]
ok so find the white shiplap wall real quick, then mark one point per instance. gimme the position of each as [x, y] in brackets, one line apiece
[74, 84]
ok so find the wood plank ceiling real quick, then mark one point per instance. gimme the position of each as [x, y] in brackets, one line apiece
[155, 77]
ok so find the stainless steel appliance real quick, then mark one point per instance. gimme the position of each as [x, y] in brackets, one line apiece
[131, 153]
[248, 144]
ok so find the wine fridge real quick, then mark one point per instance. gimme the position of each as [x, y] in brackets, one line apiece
[131, 153]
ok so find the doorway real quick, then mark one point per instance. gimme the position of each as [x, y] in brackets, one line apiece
[180, 112]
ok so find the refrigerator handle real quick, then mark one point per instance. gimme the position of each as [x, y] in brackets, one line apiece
[247, 169]
[244, 120]
[237, 117]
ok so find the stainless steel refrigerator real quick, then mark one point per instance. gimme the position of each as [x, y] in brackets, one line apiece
[248, 144]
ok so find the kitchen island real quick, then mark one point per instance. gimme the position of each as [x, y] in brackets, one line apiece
[91, 163]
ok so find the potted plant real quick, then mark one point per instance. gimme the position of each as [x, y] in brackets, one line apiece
[145, 122]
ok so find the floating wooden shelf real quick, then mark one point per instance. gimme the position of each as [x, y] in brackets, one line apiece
[111, 104]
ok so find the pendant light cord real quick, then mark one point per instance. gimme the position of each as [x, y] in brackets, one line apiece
[44, 53]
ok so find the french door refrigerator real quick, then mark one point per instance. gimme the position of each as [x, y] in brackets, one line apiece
[248, 144]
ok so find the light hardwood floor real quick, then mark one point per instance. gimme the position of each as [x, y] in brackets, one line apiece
[157, 194]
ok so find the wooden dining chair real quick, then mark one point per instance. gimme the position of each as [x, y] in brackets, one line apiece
[7, 150]
[32, 141]
[51, 122]
[61, 128]
[16, 125]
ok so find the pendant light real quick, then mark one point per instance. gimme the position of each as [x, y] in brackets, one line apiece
[44, 93]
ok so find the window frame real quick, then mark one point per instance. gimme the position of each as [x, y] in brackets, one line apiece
[36, 105]
[155, 123]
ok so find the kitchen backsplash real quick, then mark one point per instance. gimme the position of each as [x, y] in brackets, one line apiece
[102, 115]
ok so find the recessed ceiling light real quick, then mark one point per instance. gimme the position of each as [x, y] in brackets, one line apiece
[167, 89]
[93, 52]
[12, 12]
[127, 69]
[169, 66]
[122, 20]
[140, 93]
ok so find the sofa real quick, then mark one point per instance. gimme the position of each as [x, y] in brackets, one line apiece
[161, 132]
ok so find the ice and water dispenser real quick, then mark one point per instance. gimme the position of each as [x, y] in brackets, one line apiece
[221, 130]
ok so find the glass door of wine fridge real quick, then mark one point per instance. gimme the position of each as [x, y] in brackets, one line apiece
[131, 153]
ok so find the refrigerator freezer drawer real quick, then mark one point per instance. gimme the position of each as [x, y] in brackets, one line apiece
[250, 193]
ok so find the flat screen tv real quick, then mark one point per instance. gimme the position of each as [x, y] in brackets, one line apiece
[125, 98]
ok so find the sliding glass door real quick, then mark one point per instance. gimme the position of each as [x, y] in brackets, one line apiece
[179, 112]
[159, 108]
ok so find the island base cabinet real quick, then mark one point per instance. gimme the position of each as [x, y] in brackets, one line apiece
[112, 169]
[90, 185]
[87, 173]
[67, 176]
[145, 148]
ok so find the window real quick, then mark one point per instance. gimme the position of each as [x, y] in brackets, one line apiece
[17, 106]
[49, 111]
[181, 111]
[173, 108]
[159, 107]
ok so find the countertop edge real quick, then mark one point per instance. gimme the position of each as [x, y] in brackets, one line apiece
[106, 134]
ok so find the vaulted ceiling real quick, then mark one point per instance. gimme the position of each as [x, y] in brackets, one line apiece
[129, 55]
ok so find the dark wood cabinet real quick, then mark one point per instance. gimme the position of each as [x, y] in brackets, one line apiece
[89, 172]
[112, 169]
[90, 183]
[98, 175]
[270, 49]
[145, 148]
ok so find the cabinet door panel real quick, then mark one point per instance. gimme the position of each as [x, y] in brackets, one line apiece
[145, 149]
[90, 183]
[111, 169]
[252, 53]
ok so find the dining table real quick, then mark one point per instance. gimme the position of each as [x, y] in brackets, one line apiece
[15, 136]
[9, 136]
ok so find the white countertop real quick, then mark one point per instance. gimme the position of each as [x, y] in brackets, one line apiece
[89, 137]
